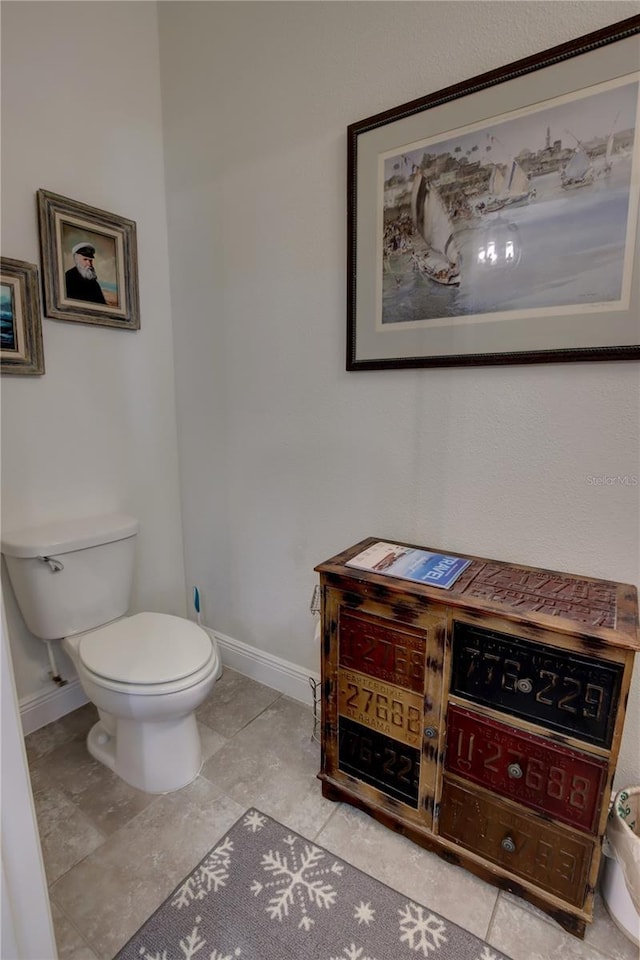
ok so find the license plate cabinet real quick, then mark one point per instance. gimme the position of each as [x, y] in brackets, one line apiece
[484, 721]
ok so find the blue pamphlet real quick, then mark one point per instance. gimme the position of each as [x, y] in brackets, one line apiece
[408, 563]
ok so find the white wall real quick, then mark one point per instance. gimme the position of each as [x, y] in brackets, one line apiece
[26, 927]
[285, 457]
[81, 117]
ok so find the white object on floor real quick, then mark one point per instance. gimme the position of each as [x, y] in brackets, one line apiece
[146, 673]
[620, 883]
[617, 900]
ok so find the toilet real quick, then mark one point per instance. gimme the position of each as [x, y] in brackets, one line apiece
[146, 673]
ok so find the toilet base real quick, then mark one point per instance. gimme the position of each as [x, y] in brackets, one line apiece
[157, 757]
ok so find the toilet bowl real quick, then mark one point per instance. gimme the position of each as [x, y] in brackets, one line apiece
[146, 674]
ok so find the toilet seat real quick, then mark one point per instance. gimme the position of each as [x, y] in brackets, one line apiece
[154, 689]
[148, 653]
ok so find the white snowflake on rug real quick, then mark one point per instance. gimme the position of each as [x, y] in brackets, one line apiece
[420, 929]
[212, 874]
[364, 913]
[254, 821]
[487, 954]
[189, 946]
[227, 956]
[298, 878]
[353, 953]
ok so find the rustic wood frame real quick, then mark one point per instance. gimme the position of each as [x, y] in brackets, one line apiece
[564, 71]
[26, 356]
[63, 222]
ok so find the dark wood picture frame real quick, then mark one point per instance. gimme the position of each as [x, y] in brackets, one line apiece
[401, 312]
[21, 351]
[108, 294]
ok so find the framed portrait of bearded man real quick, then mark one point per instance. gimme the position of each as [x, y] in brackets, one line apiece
[89, 263]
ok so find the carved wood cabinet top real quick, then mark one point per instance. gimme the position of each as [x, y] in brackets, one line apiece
[587, 606]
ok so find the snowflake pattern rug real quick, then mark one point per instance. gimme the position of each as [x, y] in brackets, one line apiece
[266, 893]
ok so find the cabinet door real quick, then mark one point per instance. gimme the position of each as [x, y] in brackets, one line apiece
[384, 676]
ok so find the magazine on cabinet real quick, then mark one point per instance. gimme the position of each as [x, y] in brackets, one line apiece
[408, 563]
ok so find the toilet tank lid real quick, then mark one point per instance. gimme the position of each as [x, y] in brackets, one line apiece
[64, 536]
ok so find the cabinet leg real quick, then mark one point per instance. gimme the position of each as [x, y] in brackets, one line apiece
[573, 925]
[330, 793]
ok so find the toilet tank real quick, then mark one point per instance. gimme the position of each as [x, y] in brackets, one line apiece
[74, 575]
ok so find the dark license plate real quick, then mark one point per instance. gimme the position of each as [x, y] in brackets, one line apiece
[565, 691]
[382, 649]
[390, 766]
[563, 783]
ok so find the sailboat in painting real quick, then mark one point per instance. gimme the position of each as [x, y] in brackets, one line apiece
[509, 187]
[440, 261]
[608, 157]
[579, 170]
[608, 154]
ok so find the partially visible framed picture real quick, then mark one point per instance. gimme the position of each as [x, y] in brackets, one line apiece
[89, 263]
[21, 341]
[496, 221]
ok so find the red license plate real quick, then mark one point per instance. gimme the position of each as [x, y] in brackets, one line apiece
[564, 783]
[383, 649]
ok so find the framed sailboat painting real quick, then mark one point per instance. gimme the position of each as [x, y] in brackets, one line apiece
[21, 344]
[496, 221]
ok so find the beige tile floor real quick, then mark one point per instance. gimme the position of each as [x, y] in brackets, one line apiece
[112, 853]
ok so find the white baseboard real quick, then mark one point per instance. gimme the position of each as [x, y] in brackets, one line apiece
[39, 709]
[274, 672]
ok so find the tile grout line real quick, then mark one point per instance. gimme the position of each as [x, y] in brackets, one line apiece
[259, 714]
[72, 923]
[337, 806]
[492, 917]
